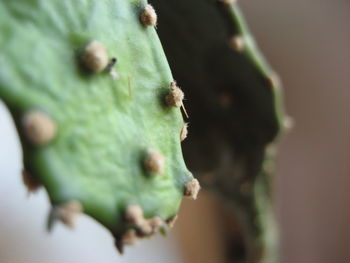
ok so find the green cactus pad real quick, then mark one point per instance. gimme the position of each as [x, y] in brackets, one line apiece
[235, 110]
[100, 125]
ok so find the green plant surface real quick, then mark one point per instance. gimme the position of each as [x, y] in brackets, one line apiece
[86, 132]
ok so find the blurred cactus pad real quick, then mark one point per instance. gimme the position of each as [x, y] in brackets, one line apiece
[234, 104]
[87, 84]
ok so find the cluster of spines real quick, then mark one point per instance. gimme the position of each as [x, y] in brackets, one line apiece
[140, 227]
[39, 130]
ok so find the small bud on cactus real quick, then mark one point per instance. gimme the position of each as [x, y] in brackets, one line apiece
[154, 162]
[171, 221]
[95, 57]
[156, 223]
[184, 132]
[237, 43]
[68, 212]
[145, 228]
[148, 16]
[31, 182]
[134, 214]
[274, 80]
[175, 96]
[192, 189]
[38, 127]
[227, 2]
[130, 237]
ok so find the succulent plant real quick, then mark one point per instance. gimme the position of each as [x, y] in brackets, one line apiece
[98, 111]
[90, 91]
[235, 111]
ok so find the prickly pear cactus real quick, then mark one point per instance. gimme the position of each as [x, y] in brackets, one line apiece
[234, 107]
[88, 86]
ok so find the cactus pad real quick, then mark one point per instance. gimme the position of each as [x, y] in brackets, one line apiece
[235, 110]
[86, 82]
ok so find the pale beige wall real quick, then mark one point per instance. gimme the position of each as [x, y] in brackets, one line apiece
[308, 42]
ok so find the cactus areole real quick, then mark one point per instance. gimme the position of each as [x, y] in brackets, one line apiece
[86, 83]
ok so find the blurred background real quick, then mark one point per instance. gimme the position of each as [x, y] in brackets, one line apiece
[308, 43]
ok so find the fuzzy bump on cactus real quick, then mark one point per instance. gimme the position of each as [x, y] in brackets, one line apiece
[235, 110]
[86, 83]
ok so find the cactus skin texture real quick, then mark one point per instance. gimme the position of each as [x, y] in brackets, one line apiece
[235, 111]
[85, 82]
